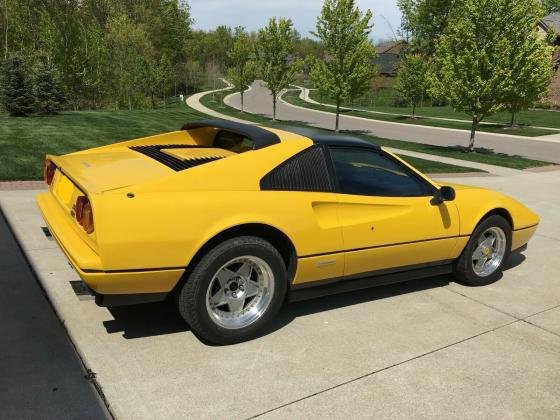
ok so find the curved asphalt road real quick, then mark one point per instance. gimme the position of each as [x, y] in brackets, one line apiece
[259, 101]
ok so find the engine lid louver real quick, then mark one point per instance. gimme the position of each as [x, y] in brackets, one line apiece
[157, 152]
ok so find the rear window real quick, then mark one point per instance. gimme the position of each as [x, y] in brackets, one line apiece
[233, 142]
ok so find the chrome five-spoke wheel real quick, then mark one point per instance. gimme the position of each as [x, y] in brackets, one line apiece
[234, 290]
[240, 292]
[490, 251]
[488, 248]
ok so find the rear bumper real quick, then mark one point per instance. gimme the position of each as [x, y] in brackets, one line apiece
[88, 264]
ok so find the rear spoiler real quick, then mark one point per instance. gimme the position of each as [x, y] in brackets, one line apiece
[260, 136]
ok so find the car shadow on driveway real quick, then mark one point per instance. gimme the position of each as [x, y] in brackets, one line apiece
[153, 319]
[146, 320]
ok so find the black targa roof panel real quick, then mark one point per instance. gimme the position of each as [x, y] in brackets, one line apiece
[260, 137]
[330, 139]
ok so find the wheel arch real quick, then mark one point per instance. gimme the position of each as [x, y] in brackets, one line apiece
[269, 233]
[498, 211]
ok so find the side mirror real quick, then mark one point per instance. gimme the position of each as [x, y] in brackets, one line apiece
[445, 193]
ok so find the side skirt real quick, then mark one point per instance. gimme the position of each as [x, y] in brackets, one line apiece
[346, 285]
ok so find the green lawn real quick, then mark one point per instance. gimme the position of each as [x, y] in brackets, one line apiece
[24, 142]
[527, 121]
[491, 158]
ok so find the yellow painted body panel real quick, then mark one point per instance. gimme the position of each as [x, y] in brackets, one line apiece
[150, 221]
[88, 263]
[371, 224]
[322, 267]
[522, 236]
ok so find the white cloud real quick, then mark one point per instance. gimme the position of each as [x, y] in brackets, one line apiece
[254, 14]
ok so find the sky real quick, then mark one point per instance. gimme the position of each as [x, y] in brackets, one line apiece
[254, 14]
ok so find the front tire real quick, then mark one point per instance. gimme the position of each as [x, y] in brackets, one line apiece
[489, 247]
[234, 290]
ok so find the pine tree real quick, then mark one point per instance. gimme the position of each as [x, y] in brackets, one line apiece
[17, 89]
[48, 90]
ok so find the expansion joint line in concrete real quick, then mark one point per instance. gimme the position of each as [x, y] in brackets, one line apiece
[521, 319]
[383, 369]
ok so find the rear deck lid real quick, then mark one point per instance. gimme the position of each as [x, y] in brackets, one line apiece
[124, 166]
[103, 171]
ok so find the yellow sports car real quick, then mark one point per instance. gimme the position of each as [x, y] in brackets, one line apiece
[231, 219]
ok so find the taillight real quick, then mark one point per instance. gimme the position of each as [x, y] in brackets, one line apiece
[48, 172]
[84, 213]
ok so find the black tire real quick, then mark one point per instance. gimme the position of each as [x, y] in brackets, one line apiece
[463, 268]
[191, 300]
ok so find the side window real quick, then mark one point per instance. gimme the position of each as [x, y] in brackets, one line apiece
[306, 171]
[366, 172]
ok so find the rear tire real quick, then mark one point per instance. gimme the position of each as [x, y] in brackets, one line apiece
[488, 249]
[234, 290]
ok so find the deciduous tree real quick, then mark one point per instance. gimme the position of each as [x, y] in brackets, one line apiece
[347, 66]
[475, 56]
[529, 59]
[412, 79]
[423, 22]
[551, 6]
[243, 69]
[274, 48]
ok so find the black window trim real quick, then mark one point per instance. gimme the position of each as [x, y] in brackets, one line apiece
[431, 189]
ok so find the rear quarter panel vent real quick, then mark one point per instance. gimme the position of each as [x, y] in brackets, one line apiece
[157, 152]
[306, 171]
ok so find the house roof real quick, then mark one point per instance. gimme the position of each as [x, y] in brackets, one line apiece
[388, 56]
[551, 21]
[393, 47]
[387, 63]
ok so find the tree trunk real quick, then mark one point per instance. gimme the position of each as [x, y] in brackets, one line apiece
[413, 111]
[473, 133]
[337, 115]
[512, 119]
[274, 107]
[6, 30]
[242, 101]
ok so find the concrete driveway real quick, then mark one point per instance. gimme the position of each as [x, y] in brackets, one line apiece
[258, 101]
[423, 349]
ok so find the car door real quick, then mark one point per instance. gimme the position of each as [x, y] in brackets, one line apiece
[388, 219]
